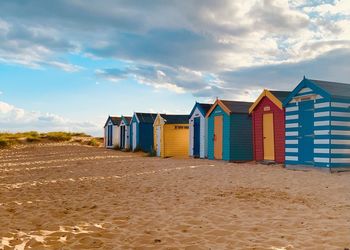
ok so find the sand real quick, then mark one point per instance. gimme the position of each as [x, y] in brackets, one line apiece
[61, 196]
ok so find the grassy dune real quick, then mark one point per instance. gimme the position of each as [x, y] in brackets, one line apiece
[11, 139]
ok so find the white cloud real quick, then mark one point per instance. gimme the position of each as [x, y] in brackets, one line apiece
[14, 119]
[189, 39]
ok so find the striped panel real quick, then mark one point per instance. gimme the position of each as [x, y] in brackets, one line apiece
[291, 142]
[340, 105]
[321, 150]
[291, 109]
[321, 123]
[340, 114]
[291, 158]
[321, 114]
[292, 117]
[321, 159]
[292, 133]
[321, 132]
[340, 123]
[342, 142]
[340, 150]
[321, 141]
[341, 160]
[322, 105]
[340, 132]
[291, 150]
[292, 125]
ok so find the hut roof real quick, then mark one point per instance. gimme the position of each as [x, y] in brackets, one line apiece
[115, 120]
[175, 119]
[146, 117]
[335, 89]
[203, 108]
[237, 107]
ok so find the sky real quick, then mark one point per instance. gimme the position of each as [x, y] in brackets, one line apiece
[68, 64]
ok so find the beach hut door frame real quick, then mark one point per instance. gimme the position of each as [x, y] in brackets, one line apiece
[218, 137]
[134, 135]
[196, 136]
[268, 137]
[306, 132]
[110, 135]
[122, 136]
[158, 130]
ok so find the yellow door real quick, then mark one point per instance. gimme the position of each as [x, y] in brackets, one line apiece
[269, 139]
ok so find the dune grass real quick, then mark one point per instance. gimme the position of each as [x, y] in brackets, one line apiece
[10, 139]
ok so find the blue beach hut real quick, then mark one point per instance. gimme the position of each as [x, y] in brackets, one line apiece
[141, 131]
[198, 130]
[318, 126]
[230, 131]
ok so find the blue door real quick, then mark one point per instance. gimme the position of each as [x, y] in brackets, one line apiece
[110, 135]
[196, 136]
[122, 136]
[306, 132]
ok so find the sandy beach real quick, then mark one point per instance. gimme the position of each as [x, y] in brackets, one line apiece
[61, 196]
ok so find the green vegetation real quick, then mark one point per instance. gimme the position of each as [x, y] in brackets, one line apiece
[94, 142]
[58, 136]
[10, 139]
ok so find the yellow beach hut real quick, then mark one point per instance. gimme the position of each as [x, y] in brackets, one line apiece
[171, 135]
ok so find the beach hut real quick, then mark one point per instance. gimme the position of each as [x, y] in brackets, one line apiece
[318, 126]
[268, 126]
[141, 131]
[111, 132]
[124, 141]
[171, 135]
[230, 131]
[198, 130]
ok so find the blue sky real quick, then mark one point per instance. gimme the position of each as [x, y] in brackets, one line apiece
[67, 65]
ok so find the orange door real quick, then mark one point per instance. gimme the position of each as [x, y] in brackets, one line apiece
[218, 137]
[269, 138]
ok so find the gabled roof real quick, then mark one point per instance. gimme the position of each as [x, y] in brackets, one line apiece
[280, 95]
[276, 97]
[335, 89]
[203, 108]
[145, 117]
[231, 107]
[175, 119]
[323, 88]
[126, 119]
[115, 120]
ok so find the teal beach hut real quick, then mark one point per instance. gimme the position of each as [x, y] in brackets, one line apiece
[230, 131]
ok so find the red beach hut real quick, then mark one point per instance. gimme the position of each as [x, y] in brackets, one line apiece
[269, 126]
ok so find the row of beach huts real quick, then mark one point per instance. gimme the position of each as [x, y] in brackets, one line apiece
[307, 127]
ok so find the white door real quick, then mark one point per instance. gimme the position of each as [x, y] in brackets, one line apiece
[134, 134]
[158, 140]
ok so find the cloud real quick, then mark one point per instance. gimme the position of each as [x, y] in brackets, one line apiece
[14, 119]
[182, 46]
[331, 66]
[179, 80]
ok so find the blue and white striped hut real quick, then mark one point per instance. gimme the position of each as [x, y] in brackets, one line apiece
[318, 126]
